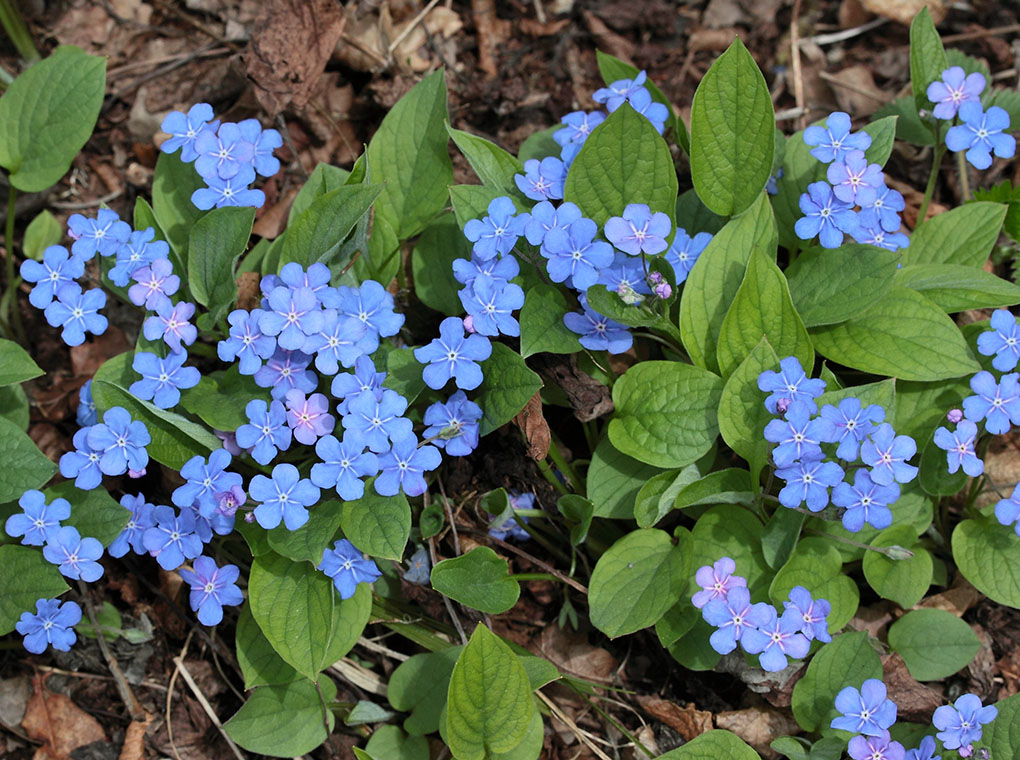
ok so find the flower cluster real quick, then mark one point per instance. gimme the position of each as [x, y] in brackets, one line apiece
[759, 628]
[226, 155]
[858, 431]
[980, 133]
[115, 446]
[855, 200]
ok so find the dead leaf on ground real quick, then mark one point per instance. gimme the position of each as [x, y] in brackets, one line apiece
[758, 726]
[290, 46]
[532, 423]
[955, 600]
[589, 398]
[90, 355]
[903, 11]
[711, 39]
[14, 695]
[574, 655]
[856, 91]
[982, 670]
[59, 723]
[608, 40]
[134, 740]
[873, 618]
[688, 721]
[916, 701]
[272, 221]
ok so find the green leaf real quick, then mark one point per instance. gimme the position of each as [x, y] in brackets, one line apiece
[903, 581]
[316, 234]
[206, 400]
[26, 467]
[732, 133]
[988, 555]
[531, 746]
[94, 513]
[716, 276]
[540, 145]
[904, 335]
[418, 686]
[26, 578]
[377, 525]
[730, 486]
[730, 531]
[479, 579]
[883, 135]
[1007, 100]
[216, 243]
[489, 699]
[655, 499]
[833, 285]
[614, 480]
[909, 126]
[848, 660]
[175, 439]
[408, 157]
[299, 613]
[962, 236]
[323, 179]
[432, 265]
[109, 624]
[633, 584]
[665, 413]
[507, 387]
[817, 566]
[613, 69]
[14, 406]
[742, 412]
[762, 307]
[47, 114]
[391, 743]
[780, 536]
[882, 393]
[540, 671]
[694, 216]
[42, 232]
[954, 288]
[934, 644]
[1002, 735]
[624, 160]
[606, 302]
[493, 165]
[307, 543]
[927, 57]
[472, 202]
[713, 745]
[260, 664]
[286, 720]
[16, 366]
[542, 328]
[1004, 192]
[172, 186]
[578, 512]
[920, 407]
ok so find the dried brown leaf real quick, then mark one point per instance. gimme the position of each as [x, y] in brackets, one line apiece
[903, 11]
[758, 726]
[916, 701]
[532, 423]
[688, 721]
[574, 655]
[955, 600]
[608, 40]
[856, 91]
[134, 740]
[58, 723]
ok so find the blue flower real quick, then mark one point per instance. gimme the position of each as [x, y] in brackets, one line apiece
[981, 134]
[266, 433]
[403, 467]
[344, 464]
[546, 217]
[162, 379]
[212, 589]
[876, 236]
[834, 141]
[316, 278]
[185, 129]
[886, 453]
[139, 522]
[716, 580]
[347, 385]
[38, 521]
[508, 527]
[453, 356]
[926, 750]
[229, 192]
[854, 180]
[684, 251]
[626, 276]
[775, 640]
[138, 251]
[998, 404]
[293, 315]
[639, 230]
[373, 305]
[813, 614]
[284, 371]
[57, 268]
[86, 414]
[790, 383]
[105, 233]
[453, 426]
[732, 615]
[883, 211]
[492, 307]
[960, 724]
[825, 215]
[171, 324]
[418, 567]
[308, 417]
[579, 124]
[617, 93]
[954, 89]
[959, 448]
[574, 254]
[497, 271]
[264, 142]
[204, 479]
[246, 344]
[808, 482]
[377, 420]
[173, 538]
[865, 502]
[285, 497]
[224, 153]
[205, 527]
[82, 464]
[52, 624]
[597, 332]
[77, 312]
[1007, 511]
[798, 435]
[875, 748]
[74, 556]
[542, 180]
[337, 343]
[853, 424]
[154, 284]
[122, 441]
[1003, 340]
[657, 113]
[497, 233]
[347, 567]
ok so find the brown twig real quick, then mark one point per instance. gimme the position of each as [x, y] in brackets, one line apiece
[186, 674]
[446, 599]
[408, 29]
[798, 75]
[170, 696]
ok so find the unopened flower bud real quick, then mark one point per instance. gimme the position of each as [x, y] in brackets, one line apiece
[966, 751]
[954, 415]
[628, 295]
[897, 552]
[249, 517]
[782, 405]
[655, 278]
[469, 324]
[136, 473]
[663, 290]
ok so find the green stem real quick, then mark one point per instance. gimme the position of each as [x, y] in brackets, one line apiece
[14, 25]
[533, 577]
[961, 170]
[893, 552]
[548, 474]
[13, 317]
[558, 459]
[929, 190]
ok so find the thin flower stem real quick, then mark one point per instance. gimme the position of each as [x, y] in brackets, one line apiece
[17, 31]
[548, 474]
[13, 317]
[929, 191]
[886, 550]
[534, 577]
[560, 461]
[961, 169]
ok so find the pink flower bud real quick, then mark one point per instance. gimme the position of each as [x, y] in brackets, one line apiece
[954, 415]
[782, 405]
[469, 324]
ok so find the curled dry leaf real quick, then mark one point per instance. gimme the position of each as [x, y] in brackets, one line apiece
[58, 723]
[688, 721]
[134, 740]
[532, 423]
[758, 726]
[903, 11]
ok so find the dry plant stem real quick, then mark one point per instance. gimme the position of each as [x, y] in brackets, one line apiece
[961, 170]
[446, 600]
[531, 558]
[798, 76]
[565, 719]
[449, 516]
[186, 675]
[135, 709]
[410, 27]
[170, 695]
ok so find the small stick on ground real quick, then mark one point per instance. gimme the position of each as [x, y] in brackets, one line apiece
[798, 75]
[446, 599]
[410, 27]
[183, 670]
[565, 719]
[531, 558]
